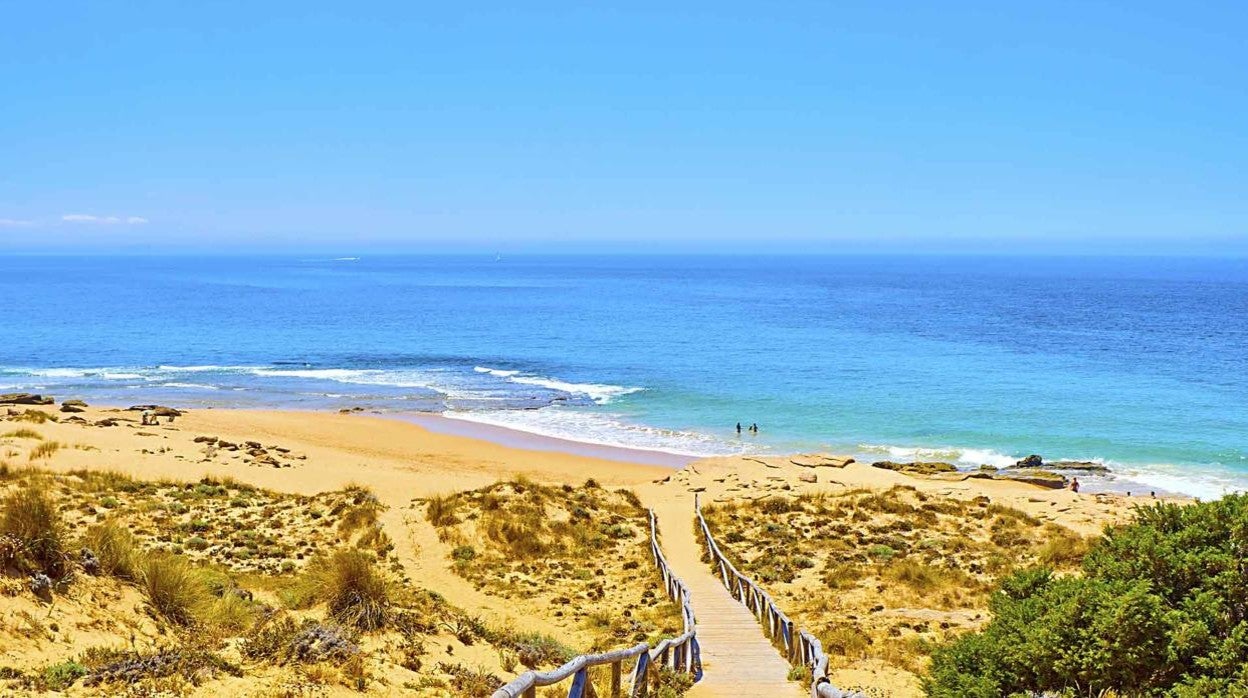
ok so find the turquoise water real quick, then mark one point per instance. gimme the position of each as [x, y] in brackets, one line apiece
[1140, 363]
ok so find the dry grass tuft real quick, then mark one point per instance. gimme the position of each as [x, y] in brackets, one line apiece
[115, 548]
[22, 434]
[44, 450]
[173, 588]
[33, 534]
[351, 586]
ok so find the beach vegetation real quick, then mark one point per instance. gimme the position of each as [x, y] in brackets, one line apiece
[350, 584]
[44, 449]
[1159, 609]
[22, 434]
[172, 587]
[33, 534]
[114, 547]
[34, 417]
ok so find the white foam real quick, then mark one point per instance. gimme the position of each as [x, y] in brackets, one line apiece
[501, 373]
[951, 454]
[600, 393]
[342, 375]
[600, 429]
[190, 386]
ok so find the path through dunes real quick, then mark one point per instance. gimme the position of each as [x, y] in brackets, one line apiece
[737, 660]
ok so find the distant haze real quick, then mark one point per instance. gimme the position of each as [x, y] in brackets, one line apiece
[1069, 128]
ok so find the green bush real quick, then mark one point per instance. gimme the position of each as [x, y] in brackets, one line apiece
[1162, 609]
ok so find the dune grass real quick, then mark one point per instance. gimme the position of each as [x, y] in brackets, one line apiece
[115, 548]
[44, 450]
[350, 584]
[35, 417]
[173, 588]
[22, 434]
[34, 533]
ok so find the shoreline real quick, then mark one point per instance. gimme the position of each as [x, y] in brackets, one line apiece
[1161, 480]
[530, 441]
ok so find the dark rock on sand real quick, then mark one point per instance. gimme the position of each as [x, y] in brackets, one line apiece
[26, 399]
[916, 467]
[70, 408]
[205, 439]
[1032, 461]
[156, 410]
[1083, 465]
[1032, 476]
[73, 403]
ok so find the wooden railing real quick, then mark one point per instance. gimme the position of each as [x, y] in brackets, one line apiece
[680, 653]
[797, 645]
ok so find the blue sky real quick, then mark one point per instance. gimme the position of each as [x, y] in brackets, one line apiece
[985, 127]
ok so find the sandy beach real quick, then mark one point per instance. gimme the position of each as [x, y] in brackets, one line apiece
[404, 462]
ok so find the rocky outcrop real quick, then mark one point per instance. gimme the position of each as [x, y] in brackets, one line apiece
[916, 467]
[819, 460]
[73, 403]
[66, 407]
[1034, 476]
[1032, 461]
[1081, 465]
[156, 410]
[26, 399]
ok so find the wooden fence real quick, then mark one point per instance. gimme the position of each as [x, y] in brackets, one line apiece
[797, 645]
[679, 653]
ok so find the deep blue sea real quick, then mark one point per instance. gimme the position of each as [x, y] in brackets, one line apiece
[1141, 363]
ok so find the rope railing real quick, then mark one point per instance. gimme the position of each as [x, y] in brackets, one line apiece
[680, 653]
[798, 646]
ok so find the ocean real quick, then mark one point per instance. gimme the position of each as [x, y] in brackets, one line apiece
[1137, 363]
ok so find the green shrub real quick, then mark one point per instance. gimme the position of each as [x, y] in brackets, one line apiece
[1162, 609]
[58, 677]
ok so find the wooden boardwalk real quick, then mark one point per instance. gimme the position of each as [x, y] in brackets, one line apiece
[737, 660]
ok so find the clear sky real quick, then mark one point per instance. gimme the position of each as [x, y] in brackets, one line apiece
[926, 126]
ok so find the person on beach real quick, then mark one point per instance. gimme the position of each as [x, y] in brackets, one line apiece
[147, 418]
[738, 428]
[754, 427]
[1074, 484]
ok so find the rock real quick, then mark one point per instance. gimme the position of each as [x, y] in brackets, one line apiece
[74, 403]
[252, 444]
[916, 467]
[988, 468]
[266, 459]
[70, 408]
[1032, 461]
[1084, 465]
[821, 460]
[156, 410]
[808, 477]
[227, 445]
[26, 399]
[205, 439]
[73, 420]
[108, 422]
[257, 452]
[1032, 476]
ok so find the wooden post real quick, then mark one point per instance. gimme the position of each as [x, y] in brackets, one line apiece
[615, 679]
[530, 692]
